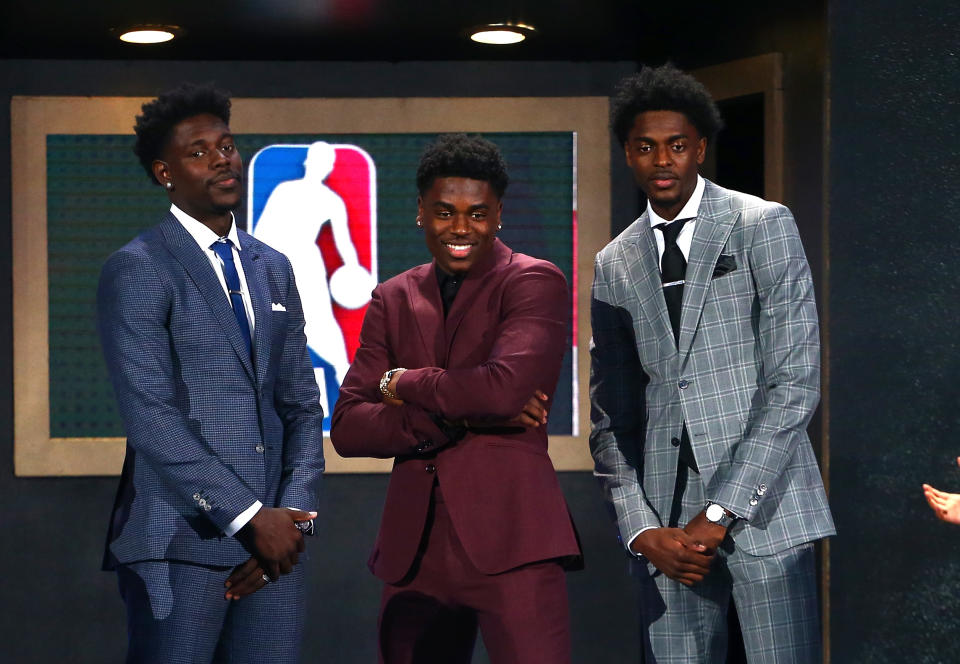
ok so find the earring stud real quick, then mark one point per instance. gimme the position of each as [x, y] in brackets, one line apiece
[168, 185]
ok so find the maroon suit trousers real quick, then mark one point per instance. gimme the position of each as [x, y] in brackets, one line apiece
[433, 614]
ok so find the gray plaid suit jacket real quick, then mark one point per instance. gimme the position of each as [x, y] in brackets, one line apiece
[209, 431]
[745, 378]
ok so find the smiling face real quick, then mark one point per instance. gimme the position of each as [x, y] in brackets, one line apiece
[202, 163]
[664, 150]
[460, 218]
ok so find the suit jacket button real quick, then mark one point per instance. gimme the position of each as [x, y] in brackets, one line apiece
[259, 448]
[430, 468]
[753, 502]
[196, 496]
[683, 384]
[675, 442]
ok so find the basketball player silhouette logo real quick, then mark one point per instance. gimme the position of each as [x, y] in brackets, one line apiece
[317, 205]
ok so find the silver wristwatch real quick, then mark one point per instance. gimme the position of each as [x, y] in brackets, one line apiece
[385, 383]
[719, 515]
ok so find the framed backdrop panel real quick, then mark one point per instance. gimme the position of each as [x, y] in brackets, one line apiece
[341, 171]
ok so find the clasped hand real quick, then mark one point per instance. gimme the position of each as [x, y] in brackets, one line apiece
[683, 554]
[276, 545]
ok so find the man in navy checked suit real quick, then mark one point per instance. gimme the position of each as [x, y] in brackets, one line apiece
[705, 373]
[202, 331]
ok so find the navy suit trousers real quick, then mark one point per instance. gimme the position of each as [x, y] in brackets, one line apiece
[177, 614]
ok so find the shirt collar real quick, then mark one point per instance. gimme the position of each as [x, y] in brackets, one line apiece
[202, 233]
[689, 210]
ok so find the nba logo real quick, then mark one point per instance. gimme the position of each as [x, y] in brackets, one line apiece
[317, 205]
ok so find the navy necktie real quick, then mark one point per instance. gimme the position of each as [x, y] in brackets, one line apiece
[224, 249]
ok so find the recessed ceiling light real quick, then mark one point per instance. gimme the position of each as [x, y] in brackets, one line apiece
[148, 34]
[501, 33]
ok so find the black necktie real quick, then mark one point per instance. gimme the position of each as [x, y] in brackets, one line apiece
[673, 268]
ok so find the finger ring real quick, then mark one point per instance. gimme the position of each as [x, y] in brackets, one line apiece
[265, 578]
[305, 527]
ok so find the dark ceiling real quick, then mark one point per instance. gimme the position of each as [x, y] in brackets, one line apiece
[388, 30]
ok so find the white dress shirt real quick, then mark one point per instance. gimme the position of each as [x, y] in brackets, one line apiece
[205, 238]
[689, 211]
[684, 239]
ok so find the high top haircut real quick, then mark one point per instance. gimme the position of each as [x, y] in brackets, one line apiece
[155, 125]
[462, 156]
[663, 88]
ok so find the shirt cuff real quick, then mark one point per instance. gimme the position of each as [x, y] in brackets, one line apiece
[242, 519]
[635, 536]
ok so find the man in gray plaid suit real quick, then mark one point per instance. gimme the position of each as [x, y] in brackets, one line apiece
[705, 373]
[202, 332]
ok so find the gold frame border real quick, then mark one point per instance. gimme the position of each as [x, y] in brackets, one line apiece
[32, 118]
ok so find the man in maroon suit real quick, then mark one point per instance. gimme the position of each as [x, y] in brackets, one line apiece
[457, 363]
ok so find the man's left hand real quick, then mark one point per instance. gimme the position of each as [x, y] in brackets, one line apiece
[246, 579]
[706, 532]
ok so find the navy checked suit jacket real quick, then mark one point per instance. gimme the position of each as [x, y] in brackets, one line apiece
[745, 376]
[210, 430]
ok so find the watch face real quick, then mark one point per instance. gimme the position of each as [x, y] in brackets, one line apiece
[714, 513]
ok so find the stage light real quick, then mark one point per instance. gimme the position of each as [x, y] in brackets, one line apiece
[148, 34]
[501, 33]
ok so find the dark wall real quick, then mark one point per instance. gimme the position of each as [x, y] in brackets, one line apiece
[894, 294]
[55, 604]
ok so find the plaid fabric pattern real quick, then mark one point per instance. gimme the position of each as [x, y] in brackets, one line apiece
[744, 376]
[775, 596]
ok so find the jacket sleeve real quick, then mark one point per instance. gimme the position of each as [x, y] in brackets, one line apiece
[788, 340]
[617, 409]
[362, 425]
[132, 312]
[531, 336]
[297, 401]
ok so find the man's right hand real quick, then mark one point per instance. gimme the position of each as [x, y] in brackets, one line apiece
[532, 415]
[675, 553]
[271, 536]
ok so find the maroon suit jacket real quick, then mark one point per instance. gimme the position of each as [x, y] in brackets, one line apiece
[503, 338]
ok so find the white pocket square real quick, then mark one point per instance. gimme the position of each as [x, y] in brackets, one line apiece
[276, 306]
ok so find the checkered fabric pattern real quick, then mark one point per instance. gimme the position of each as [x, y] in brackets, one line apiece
[744, 376]
[210, 429]
[775, 597]
[259, 628]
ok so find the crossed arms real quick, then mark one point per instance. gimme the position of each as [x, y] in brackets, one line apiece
[528, 346]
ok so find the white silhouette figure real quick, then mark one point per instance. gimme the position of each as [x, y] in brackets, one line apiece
[290, 223]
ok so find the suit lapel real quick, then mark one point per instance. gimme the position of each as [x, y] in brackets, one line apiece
[198, 268]
[643, 266]
[255, 271]
[423, 294]
[715, 220]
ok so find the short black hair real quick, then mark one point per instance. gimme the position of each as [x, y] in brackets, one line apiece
[160, 116]
[462, 156]
[663, 88]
